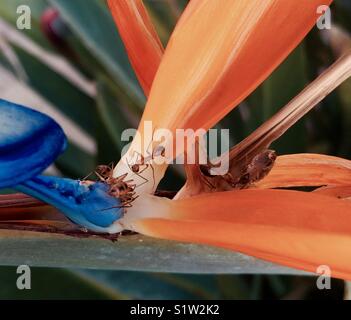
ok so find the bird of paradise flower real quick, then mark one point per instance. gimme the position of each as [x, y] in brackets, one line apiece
[219, 52]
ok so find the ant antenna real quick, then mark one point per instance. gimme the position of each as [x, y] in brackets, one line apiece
[86, 177]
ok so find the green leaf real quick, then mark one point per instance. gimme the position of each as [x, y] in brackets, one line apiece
[92, 22]
[347, 295]
[256, 289]
[282, 86]
[75, 162]
[342, 13]
[8, 11]
[233, 287]
[115, 118]
[164, 15]
[142, 285]
[65, 96]
[130, 252]
[53, 284]
[72, 102]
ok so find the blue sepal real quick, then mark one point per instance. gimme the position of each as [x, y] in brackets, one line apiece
[29, 142]
[88, 205]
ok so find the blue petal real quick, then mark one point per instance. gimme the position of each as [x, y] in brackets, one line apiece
[29, 142]
[89, 206]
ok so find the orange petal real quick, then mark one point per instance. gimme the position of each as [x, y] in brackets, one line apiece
[339, 192]
[219, 53]
[296, 229]
[143, 45]
[314, 170]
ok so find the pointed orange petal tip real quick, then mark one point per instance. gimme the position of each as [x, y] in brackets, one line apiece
[219, 53]
[142, 43]
[296, 229]
[313, 170]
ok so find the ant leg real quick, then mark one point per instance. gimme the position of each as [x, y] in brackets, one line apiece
[145, 180]
[146, 166]
[86, 177]
[112, 166]
[114, 207]
[100, 176]
[127, 204]
[153, 176]
[121, 178]
[139, 156]
[151, 142]
[142, 162]
[151, 155]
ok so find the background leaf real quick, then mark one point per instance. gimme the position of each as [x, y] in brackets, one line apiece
[91, 21]
[88, 41]
[130, 252]
[53, 284]
[8, 11]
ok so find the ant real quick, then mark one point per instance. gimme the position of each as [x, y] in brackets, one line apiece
[256, 170]
[124, 190]
[142, 162]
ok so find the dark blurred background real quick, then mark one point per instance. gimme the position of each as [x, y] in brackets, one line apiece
[72, 65]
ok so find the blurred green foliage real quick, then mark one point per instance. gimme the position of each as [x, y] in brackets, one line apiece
[90, 41]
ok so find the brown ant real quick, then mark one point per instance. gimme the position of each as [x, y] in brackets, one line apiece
[104, 172]
[256, 170]
[142, 163]
[119, 188]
